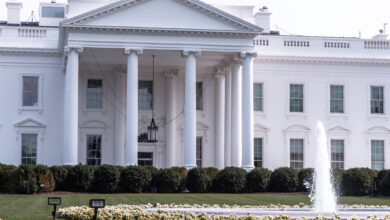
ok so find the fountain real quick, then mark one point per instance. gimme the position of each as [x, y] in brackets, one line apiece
[322, 194]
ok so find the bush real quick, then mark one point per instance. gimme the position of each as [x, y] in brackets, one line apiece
[305, 179]
[167, 181]
[45, 179]
[5, 177]
[152, 184]
[197, 180]
[135, 179]
[337, 176]
[24, 180]
[358, 181]
[284, 179]
[183, 177]
[106, 179]
[230, 180]
[211, 173]
[257, 180]
[60, 174]
[80, 178]
[383, 183]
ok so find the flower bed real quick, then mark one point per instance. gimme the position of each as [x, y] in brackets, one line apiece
[130, 212]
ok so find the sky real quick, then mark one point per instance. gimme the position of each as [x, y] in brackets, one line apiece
[340, 18]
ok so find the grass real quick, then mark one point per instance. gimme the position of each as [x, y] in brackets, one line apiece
[33, 207]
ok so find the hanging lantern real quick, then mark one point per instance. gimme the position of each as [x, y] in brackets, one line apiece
[152, 132]
[152, 128]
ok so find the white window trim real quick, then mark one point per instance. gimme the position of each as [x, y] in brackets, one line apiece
[202, 112]
[385, 136]
[370, 115]
[296, 134]
[93, 127]
[30, 126]
[39, 107]
[264, 112]
[84, 94]
[345, 101]
[262, 132]
[340, 135]
[296, 114]
[305, 143]
[149, 111]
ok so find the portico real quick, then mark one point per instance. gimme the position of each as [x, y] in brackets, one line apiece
[206, 44]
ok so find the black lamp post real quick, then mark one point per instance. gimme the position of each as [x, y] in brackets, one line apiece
[152, 128]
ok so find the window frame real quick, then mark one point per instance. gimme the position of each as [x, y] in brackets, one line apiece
[39, 107]
[384, 152]
[101, 148]
[305, 89]
[262, 151]
[153, 95]
[303, 98]
[344, 147]
[202, 110]
[87, 93]
[21, 146]
[84, 94]
[384, 100]
[201, 159]
[303, 152]
[330, 99]
[145, 159]
[262, 97]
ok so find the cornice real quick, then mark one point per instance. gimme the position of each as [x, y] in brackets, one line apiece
[29, 51]
[320, 60]
[180, 31]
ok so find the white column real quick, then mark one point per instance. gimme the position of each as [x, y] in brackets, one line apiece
[219, 120]
[190, 109]
[71, 107]
[228, 115]
[131, 152]
[119, 120]
[236, 135]
[170, 114]
[247, 111]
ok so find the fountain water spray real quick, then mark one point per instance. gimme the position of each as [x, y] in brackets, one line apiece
[322, 194]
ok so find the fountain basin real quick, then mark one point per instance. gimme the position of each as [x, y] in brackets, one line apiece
[291, 212]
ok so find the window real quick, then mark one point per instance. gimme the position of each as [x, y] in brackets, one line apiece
[199, 151]
[258, 152]
[296, 153]
[258, 97]
[296, 98]
[145, 95]
[336, 99]
[337, 153]
[199, 96]
[377, 99]
[53, 12]
[94, 148]
[377, 154]
[145, 158]
[30, 91]
[29, 149]
[95, 94]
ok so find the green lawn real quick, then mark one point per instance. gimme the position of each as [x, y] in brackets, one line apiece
[35, 206]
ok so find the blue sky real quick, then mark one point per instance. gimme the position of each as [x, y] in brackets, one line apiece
[301, 17]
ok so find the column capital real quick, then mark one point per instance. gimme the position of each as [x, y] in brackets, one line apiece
[186, 53]
[244, 55]
[171, 73]
[67, 49]
[219, 74]
[128, 51]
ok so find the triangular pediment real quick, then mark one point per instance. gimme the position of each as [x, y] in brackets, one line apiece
[259, 128]
[31, 123]
[338, 129]
[162, 15]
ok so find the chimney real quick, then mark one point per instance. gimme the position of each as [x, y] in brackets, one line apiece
[263, 19]
[13, 15]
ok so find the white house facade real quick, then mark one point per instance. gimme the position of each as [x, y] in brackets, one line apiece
[84, 84]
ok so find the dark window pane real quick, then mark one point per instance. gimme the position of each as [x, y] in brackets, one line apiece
[53, 12]
[145, 95]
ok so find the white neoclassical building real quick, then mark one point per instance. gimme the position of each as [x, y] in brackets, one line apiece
[84, 83]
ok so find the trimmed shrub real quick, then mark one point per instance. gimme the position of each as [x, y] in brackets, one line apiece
[45, 179]
[284, 179]
[383, 183]
[197, 180]
[167, 181]
[211, 172]
[135, 179]
[5, 177]
[357, 181]
[257, 180]
[24, 180]
[80, 178]
[106, 179]
[183, 177]
[230, 180]
[152, 184]
[60, 174]
[305, 179]
[337, 176]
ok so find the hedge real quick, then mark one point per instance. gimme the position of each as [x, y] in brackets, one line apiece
[24, 180]
[60, 174]
[284, 179]
[5, 177]
[135, 179]
[168, 181]
[230, 180]
[80, 178]
[45, 179]
[197, 180]
[357, 181]
[257, 180]
[305, 179]
[106, 179]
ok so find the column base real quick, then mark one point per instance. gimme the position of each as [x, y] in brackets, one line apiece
[248, 168]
